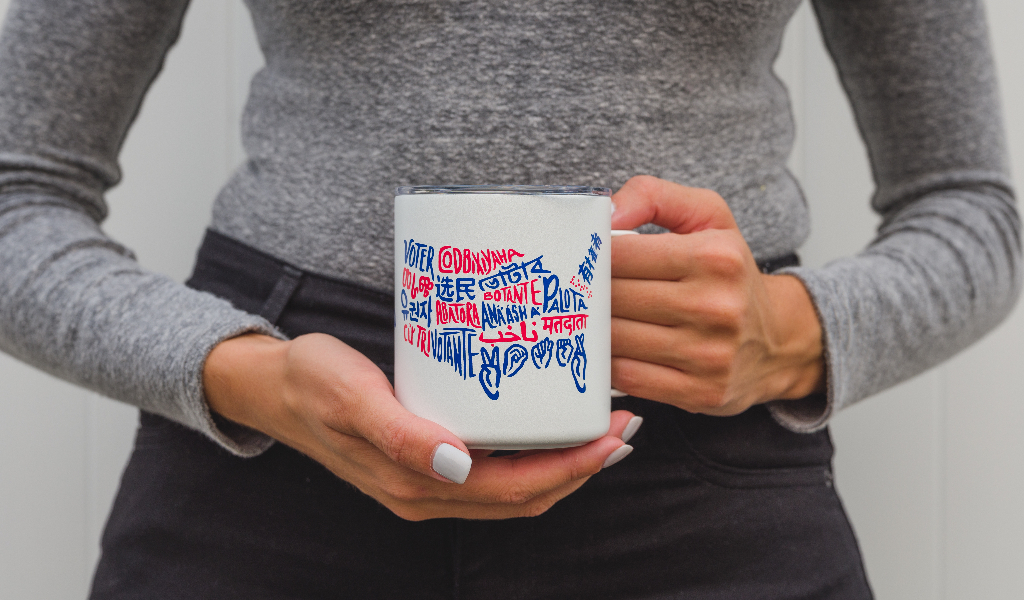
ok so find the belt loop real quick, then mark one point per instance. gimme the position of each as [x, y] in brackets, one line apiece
[771, 265]
[286, 285]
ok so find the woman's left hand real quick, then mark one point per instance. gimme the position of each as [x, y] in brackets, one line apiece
[694, 322]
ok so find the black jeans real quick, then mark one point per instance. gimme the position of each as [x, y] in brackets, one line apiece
[705, 507]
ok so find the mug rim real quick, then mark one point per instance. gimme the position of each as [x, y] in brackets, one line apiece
[520, 190]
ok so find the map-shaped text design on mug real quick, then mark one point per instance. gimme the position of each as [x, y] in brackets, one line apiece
[488, 314]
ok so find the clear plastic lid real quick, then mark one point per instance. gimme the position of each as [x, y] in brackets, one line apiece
[521, 190]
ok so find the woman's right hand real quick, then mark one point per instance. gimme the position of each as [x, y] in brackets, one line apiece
[328, 401]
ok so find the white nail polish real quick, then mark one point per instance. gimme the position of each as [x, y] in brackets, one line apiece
[631, 428]
[451, 463]
[617, 394]
[620, 453]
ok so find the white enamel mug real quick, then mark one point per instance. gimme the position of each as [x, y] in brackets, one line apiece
[503, 312]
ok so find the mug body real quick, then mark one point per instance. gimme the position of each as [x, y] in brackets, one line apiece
[503, 311]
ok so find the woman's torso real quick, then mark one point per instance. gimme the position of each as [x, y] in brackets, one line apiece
[705, 507]
[359, 97]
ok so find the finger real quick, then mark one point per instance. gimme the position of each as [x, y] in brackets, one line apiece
[520, 479]
[411, 441]
[675, 257]
[416, 497]
[621, 421]
[680, 209]
[707, 309]
[436, 508]
[359, 401]
[513, 480]
[650, 301]
[670, 386]
[682, 349]
[663, 257]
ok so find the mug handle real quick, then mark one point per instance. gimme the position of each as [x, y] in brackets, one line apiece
[616, 233]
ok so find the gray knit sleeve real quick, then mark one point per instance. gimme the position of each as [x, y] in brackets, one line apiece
[945, 266]
[72, 301]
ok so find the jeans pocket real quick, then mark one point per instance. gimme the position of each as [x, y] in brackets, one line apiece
[751, 450]
[729, 476]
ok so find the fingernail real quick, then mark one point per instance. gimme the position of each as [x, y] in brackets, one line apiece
[631, 428]
[620, 453]
[451, 463]
[617, 394]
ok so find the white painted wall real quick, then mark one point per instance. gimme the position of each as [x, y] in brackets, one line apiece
[929, 470]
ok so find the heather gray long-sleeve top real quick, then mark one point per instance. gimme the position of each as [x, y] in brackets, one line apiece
[360, 96]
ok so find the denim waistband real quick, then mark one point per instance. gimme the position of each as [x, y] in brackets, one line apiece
[259, 283]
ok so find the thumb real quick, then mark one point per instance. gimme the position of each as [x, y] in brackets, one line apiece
[415, 442]
[680, 209]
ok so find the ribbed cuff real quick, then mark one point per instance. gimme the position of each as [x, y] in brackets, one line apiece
[810, 414]
[235, 438]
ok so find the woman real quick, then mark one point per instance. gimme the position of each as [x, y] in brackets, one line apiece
[358, 97]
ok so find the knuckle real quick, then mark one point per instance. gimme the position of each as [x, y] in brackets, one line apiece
[408, 513]
[727, 261]
[644, 183]
[361, 380]
[399, 490]
[411, 493]
[680, 259]
[678, 349]
[714, 198]
[624, 376]
[712, 195]
[715, 398]
[537, 508]
[727, 312]
[719, 358]
[718, 401]
[393, 439]
[515, 494]
[578, 470]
